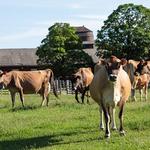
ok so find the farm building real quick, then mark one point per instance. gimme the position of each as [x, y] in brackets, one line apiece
[26, 59]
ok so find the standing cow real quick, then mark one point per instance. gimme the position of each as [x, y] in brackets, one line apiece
[82, 80]
[28, 82]
[139, 72]
[110, 87]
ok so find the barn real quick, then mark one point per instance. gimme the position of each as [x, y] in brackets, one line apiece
[26, 58]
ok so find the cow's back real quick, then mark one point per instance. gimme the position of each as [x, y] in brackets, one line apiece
[87, 76]
[29, 81]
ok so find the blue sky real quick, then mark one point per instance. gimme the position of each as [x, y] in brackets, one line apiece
[24, 23]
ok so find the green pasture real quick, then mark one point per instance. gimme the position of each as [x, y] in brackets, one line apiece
[66, 125]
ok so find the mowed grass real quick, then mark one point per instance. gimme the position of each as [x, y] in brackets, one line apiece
[66, 125]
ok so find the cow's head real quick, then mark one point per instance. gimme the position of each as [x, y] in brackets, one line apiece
[112, 69]
[1, 79]
[142, 68]
[78, 82]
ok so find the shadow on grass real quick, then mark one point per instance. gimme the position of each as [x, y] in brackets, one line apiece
[40, 142]
[20, 108]
[36, 142]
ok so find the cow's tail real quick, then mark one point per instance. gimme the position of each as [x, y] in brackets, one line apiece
[52, 82]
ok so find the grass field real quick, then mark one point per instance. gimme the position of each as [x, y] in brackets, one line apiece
[66, 125]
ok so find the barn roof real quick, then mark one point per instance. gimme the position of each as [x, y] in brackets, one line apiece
[18, 57]
[81, 29]
[28, 57]
[92, 53]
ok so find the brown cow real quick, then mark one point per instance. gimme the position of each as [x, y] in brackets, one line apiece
[82, 80]
[28, 82]
[110, 87]
[134, 70]
[141, 82]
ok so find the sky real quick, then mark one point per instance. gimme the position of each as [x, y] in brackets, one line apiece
[24, 23]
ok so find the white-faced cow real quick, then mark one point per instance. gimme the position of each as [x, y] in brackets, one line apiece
[28, 82]
[82, 80]
[110, 87]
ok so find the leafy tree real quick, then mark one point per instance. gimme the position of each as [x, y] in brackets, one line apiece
[62, 50]
[126, 33]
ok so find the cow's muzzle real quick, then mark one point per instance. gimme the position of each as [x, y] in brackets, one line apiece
[112, 77]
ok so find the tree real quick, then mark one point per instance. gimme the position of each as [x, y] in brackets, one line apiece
[62, 50]
[126, 33]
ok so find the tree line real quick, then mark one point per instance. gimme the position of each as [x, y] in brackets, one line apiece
[125, 33]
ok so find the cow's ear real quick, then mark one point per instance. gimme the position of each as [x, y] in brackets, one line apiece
[103, 62]
[123, 61]
[145, 63]
[1, 72]
[118, 64]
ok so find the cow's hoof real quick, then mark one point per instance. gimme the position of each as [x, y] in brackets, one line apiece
[122, 133]
[114, 128]
[101, 127]
[107, 136]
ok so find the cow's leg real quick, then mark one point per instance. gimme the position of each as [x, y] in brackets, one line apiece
[113, 118]
[76, 96]
[47, 90]
[121, 130]
[101, 124]
[145, 91]
[47, 100]
[82, 95]
[107, 120]
[141, 93]
[88, 97]
[43, 99]
[133, 96]
[21, 97]
[13, 98]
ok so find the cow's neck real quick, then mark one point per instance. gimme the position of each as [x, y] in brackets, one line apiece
[7, 79]
[112, 93]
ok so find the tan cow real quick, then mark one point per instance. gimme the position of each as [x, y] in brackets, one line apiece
[82, 80]
[28, 82]
[134, 70]
[110, 87]
[141, 83]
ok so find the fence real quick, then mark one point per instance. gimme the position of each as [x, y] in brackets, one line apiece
[64, 86]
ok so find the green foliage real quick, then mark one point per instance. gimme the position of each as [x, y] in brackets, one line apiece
[126, 32]
[62, 50]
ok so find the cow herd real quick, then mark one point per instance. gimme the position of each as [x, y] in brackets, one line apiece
[114, 80]
[111, 84]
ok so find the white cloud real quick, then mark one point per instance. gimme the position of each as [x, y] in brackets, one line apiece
[40, 29]
[92, 17]
[34, 32]
[74, 6]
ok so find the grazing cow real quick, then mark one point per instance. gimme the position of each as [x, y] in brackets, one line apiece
[110, 87]
[82, 80]
[28, 82]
